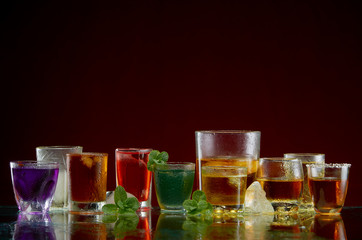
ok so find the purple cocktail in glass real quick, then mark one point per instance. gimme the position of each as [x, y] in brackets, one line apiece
[34, 185]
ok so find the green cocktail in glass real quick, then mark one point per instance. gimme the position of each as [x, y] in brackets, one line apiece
[173, 184]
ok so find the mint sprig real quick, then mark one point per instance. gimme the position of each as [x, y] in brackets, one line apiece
[198, 205]
[156, 157]
[123, 204]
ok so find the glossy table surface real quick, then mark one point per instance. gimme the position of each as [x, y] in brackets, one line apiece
[155, 225]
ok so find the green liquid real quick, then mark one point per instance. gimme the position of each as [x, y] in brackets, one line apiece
[173, 187]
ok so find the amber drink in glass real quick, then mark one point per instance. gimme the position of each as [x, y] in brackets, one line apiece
[227, 148]
[282, 181]
[306, 203]
[328, 185]
[87, 182]
[225, 186]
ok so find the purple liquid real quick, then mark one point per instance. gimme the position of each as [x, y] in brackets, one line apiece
[34, 186]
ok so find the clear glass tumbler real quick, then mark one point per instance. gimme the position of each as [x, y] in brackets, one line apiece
[58, 154]
[306, 202]
[87, 182]
[328, 184]
[133, 175]
[34, 185]
[227, 148]
[282, 181]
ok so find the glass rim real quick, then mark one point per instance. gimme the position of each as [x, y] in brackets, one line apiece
[34, 163]
[226, 131]
[59, 147]
[134, 150]
[176, 165]
[98, 154]
[330, 165]
[279, 159]
[305, 154]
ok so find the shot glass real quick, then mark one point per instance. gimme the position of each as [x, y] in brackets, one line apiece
[306, 203]
[133, 175]
[87, 182]
[227, 148]
[58, 154]
[282, 181]
[328, 185]
[34, 185]
[225, 186]
[173, 185]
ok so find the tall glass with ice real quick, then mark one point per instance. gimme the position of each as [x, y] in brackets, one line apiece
[227, 148]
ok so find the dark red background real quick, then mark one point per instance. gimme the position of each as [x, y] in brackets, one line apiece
[148, 74]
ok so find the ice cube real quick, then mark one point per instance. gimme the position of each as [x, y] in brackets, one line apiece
[87, 161]
[256, 201]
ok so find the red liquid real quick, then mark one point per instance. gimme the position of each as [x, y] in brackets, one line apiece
[132, 174]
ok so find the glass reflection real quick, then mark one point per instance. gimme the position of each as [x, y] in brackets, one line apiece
[257, 226]
[86, 227]
[36, 226]
[329, 226]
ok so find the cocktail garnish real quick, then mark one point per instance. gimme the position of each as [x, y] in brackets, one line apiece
[124, 205]
[156, 157]
[198, 206]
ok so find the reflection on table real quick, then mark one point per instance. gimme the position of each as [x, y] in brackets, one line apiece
[155, 225]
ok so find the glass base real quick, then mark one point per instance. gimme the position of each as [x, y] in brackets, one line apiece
[306, 207]
[290, 206]
[173, 210]
[86, 207]
[228, 209]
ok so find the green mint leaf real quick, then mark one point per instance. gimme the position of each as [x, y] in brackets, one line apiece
[198, 196]
[110, 209]
[120, 194]
[155, 157]
[132, 203]
[110, 218]
[163, 156]
[120, 205]
[202, 205]
[190, 205]
[126, 212]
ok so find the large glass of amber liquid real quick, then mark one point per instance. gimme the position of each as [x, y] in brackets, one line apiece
[87, 183]
[227, 148]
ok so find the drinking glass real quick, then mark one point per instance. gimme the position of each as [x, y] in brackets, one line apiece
[328, 185]
[282, 181]
[133, 175]
[227, 148]
[306, 158]
[87, 182]
[173, 184]
[224, 186]
[34, 185]
[58, 154]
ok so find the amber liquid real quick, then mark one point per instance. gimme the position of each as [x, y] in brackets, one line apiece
[281, 190]
[251, 164]
[224, 190]
[329, 227]
[87, 178]
[328, 193]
